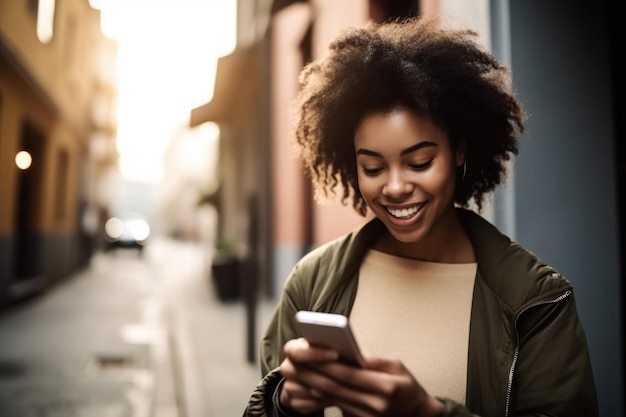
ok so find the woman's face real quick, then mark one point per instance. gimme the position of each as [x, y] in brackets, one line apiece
[406, 171]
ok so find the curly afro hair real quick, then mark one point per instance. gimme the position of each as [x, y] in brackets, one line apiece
[417, 64]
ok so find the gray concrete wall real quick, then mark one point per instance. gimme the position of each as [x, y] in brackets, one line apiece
[565, 200]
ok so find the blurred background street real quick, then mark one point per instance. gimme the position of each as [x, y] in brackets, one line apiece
[129, 336]
[151, 206]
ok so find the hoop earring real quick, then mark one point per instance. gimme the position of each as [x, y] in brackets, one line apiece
[464, 171]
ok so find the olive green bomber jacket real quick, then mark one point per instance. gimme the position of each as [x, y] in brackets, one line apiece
[527, 354]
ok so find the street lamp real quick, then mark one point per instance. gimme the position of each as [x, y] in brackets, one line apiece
[23, 160]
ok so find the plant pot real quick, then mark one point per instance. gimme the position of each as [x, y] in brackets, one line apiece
[225, 276]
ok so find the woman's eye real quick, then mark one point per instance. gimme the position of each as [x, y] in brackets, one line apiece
[421, 167]
[371, 171]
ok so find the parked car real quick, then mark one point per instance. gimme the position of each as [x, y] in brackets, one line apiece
[126, 231]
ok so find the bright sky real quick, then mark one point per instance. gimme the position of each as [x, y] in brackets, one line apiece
[167, 54]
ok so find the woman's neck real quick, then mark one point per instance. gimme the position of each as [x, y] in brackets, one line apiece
[450, 244]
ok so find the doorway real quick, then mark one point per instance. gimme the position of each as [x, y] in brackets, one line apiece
[28, 254]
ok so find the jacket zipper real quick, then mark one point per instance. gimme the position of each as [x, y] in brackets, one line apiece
[515, 355]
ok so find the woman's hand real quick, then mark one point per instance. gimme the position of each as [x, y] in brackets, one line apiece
[315, 379]
[298, 366]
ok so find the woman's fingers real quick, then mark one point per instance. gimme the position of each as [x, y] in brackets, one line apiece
[316, 379]
[389, 391]
[390, 366]
[298, 398]
[299, 350]
[298, 369]
[300, 356]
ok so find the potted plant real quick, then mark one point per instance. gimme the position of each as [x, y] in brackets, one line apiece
[225, 272]
[225, 260]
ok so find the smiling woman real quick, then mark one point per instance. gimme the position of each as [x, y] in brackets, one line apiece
[170, 56]
[408, 182]
[415, 119]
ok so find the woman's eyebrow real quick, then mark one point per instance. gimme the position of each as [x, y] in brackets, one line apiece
[417, 147]
[362, 151]
[413, 148]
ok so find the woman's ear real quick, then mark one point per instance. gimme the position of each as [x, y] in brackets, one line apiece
[460, 154]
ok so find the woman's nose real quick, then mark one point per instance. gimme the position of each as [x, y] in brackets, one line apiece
[397, 185]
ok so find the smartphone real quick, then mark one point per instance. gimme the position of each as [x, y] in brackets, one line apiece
[332, 331]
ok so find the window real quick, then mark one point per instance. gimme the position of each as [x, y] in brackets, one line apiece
[61, 180]
[43, 12]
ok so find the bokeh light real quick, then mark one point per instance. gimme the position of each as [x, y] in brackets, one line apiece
[23, 160]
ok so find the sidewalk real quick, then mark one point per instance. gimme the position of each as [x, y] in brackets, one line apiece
[128, 337]
[87, 347]
[210, 341]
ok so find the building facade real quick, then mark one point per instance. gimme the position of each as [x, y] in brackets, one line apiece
[57, 107]
[565, 192]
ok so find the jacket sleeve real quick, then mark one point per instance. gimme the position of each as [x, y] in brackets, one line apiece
[453, 409]
[553, 375]
[282, 326]
[260, 402]
[280, 329]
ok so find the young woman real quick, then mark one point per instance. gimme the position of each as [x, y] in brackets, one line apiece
[416, 120]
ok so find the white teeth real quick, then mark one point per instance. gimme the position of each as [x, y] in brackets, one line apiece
[404, 213]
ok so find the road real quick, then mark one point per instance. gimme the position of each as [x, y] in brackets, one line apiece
[136, 336]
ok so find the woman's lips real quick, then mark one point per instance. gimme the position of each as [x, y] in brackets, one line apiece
[405, 212]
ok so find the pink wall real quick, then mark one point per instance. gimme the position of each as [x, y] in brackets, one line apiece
[288, 179]
[333, 219]
[291, 214]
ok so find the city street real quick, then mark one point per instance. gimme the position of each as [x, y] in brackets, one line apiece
[140, 336]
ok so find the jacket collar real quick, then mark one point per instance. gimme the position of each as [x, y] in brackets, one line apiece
[500, 260]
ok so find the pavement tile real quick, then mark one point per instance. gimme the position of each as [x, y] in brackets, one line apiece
[129, 336]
